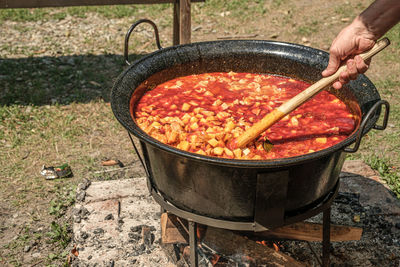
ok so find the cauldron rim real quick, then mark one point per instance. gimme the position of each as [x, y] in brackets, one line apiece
[131, 126]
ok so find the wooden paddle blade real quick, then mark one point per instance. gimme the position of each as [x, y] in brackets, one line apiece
[257, 129]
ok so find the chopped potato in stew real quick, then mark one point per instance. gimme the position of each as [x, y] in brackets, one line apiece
[202, 113]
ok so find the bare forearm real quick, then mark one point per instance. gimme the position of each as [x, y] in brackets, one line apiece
[380, 16]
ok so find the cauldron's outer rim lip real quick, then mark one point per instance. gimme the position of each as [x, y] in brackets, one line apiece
[270, 42]
[267, 164]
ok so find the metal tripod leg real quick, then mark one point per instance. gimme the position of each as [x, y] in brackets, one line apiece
[193, 244]
[326, 237]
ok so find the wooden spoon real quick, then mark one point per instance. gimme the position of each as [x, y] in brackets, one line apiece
[290, 105]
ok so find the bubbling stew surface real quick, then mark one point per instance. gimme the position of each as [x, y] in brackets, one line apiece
[203, 113]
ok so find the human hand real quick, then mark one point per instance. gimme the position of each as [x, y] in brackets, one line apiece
[351, 41]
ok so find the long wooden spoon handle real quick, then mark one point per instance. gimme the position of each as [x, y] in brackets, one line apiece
[287, 107]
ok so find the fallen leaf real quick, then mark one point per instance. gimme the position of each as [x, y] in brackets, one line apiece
[74, 251]
[356, 218]
[95, 83]
[274, 35]
[112, 162]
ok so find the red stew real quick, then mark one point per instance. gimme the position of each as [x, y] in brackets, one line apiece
[202, 113]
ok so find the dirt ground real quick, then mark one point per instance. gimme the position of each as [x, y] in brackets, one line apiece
[55, 80]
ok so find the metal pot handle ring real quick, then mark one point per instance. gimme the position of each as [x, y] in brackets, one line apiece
[128, 34]
[367, 117]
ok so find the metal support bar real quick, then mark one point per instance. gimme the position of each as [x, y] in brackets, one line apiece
[326, 236]
[193, 244]
[239, 225]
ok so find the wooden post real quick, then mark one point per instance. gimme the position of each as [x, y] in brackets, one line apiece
[184, 22]
[176, 19]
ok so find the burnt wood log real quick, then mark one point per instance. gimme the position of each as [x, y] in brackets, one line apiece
[225, 242]
[174, 230]
[307, 231]
[230, 244]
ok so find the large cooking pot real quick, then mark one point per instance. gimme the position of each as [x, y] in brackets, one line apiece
[265, 191]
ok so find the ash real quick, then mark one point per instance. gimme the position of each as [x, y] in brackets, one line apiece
[363, 203]
[118, 224]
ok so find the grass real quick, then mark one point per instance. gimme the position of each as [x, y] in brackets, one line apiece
[309, 29]
[22, 122]
[110, 12]
[237, 8]
[387, 172]
[59, 234]
[62, 80]
[385, 158]
[346, 9]
[24, 14]
[64, 198]
[50, 135]
[55, 109]
[394, 36]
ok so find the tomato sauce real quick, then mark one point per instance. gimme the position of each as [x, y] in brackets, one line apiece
[202, 113]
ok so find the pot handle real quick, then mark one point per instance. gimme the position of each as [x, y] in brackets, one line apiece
[128, 34]
[370, 113]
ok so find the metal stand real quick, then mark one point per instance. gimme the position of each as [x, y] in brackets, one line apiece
[323, 206]
[193, 244]
[326, 236]
[241, 225]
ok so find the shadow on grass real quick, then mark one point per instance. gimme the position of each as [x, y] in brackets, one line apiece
[59, 80]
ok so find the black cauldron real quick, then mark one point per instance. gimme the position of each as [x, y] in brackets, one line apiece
[263, 191]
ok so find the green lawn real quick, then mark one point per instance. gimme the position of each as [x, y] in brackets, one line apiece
[54, 98]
